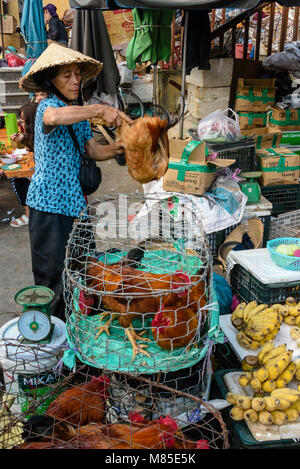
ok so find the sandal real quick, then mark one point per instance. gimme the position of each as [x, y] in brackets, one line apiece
[22, 221]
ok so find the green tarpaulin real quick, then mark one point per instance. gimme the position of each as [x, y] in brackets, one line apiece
[151, 41]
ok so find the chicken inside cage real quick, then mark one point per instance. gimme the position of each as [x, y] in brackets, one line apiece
[79, 417]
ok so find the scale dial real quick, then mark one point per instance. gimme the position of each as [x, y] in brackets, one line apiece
[34, 325]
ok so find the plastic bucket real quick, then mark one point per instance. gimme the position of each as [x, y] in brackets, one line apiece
[11, 124]
[29, 369]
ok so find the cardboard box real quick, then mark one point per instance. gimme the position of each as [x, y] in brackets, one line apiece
[255, 94]
[278, 166]
[251, 120]
[284, 119]
[13, 40]
[9, 24]
[265, 137]
[119, 25]
[190, 170]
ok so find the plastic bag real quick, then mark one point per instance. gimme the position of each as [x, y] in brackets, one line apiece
[14, 60]
[219, 127]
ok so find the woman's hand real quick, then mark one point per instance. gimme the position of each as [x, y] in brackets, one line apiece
[18, 137]
[111, 115]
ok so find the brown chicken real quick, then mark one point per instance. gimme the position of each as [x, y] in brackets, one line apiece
[175, 325]
[179, 441]
[82, 404]
[139, 285]
[146, 147]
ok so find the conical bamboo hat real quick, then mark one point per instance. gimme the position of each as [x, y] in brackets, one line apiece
[54, 55]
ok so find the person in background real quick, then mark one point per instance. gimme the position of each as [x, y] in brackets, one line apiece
[40, 95]
[56, 28]
[25, 139]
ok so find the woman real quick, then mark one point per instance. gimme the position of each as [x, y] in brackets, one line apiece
[24, 139]
[55, 197]
[56, 29]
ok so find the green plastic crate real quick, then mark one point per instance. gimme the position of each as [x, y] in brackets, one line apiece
[249, 288]
[239, 433]
[284, 198]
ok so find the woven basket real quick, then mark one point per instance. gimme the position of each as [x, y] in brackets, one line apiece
[255, 229]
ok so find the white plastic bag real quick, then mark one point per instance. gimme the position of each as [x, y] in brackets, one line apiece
[218, 127]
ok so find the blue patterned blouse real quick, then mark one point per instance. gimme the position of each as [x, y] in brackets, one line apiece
[55, 185]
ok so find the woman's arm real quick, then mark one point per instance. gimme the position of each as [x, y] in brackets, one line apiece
[103, 152]
[69, 115]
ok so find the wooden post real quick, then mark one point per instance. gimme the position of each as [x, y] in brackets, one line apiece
[296, 24]
[258, 34]
[284, 24]
[246, 38]
[271, 29]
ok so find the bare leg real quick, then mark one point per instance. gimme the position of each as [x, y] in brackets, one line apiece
[133, 337]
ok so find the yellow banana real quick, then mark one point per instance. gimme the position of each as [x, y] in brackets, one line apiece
[297, 322]
[275, 369]
[292, 398]
[290, 301]
[297, 374]
[262, 374]
[295, 334]
[279, 417]
[244, 402]
[245, 378]
[294, 311]
[236, 413]
[289, 320]
[254, 312]
[270, 403]
[265, 417]
[269, 385]
[296, 405]
[250, 362]
[248, 308]
[283, 403]
[258, 403]
[238, 312]
[292, 414]
[283, 310]
[287, 391]
[273, 353]
[251, 415]
[232, 397]
[255, 384]
[286, 376]
[246, 342]
[266, 348]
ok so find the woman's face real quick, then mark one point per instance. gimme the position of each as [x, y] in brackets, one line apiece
[22, 122]
[67, 81]
[47, 16]
[40, 96]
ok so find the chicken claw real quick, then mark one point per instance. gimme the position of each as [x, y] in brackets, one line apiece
[136, 348]
[104, 327]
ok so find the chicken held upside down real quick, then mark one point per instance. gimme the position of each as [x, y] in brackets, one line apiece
[146, 147]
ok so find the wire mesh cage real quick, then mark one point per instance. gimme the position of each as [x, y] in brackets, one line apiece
[138, 285]
[89, 409]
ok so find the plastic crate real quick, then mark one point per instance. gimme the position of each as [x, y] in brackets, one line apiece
[286, 262]
[242, 151]
[248, 288]
[285, 197]
[216, 239]
[285, 225]
[240, 436]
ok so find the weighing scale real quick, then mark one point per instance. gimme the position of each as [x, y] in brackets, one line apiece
[251, 187]
[35, 323]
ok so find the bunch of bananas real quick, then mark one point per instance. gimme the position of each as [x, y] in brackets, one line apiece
[282, 406]
[276, 369]
[291, 312]
[256, 324]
